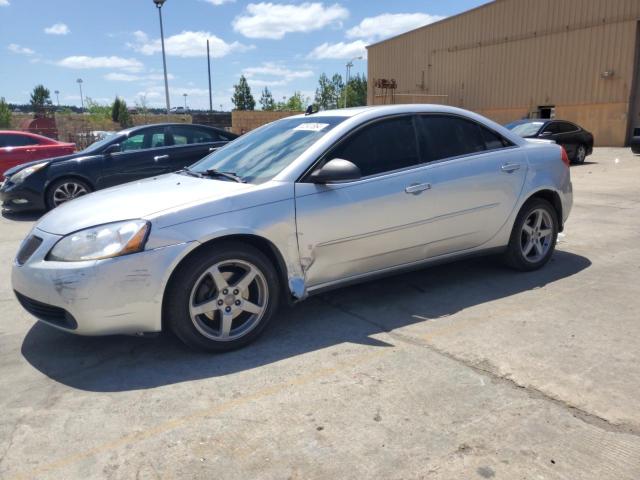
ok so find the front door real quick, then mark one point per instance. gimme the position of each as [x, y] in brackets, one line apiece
[143, 154]
[352, 228]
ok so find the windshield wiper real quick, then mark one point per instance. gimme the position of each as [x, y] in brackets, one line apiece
[190, 172]
[212, 172]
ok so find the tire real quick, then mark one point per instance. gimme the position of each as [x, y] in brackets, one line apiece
[581, 155]
[64, 190]
[202, 315]
[529, 249]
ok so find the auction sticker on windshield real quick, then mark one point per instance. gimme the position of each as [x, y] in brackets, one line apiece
[312, 127]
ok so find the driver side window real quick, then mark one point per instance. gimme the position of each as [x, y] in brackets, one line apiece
[135, 142]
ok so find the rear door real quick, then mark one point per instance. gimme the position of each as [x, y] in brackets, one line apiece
[145, 153]
[15, 149]
[476, 178]
[191, 143]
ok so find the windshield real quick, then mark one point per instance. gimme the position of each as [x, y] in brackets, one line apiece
[527, 129]
[95, 146]
[260, 155]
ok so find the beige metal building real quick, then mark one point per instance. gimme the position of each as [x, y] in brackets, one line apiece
[573, 59]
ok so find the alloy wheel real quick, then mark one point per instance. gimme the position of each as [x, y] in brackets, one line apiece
[228, 300]
[68, 191]
[581, 154]
[537, 235]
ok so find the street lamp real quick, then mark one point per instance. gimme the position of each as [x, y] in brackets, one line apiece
[57, 92]
[185, 101]
[79, 82]
[159, 4]
[346, 85]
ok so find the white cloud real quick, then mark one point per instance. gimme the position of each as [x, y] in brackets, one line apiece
[15, 48]
[390, 24]
[277, 75]
[85, 62]
[186, 44]
[270, 20]
[339, 50]
[4, 3]
[57, 29]
[219, 2]
[127, 77]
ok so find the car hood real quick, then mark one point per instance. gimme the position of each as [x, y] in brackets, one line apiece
[61, 158]
[142, 199]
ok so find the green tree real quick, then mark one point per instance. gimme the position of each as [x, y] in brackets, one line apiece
[40, 98]
[266, 100]
[295, 103]
[5, 114]
[123, 115]
[242, 98]
[115, 109]
[325, 97]
[96, 109]
[355, 91]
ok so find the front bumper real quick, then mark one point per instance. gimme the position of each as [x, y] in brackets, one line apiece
[19, 198]
[121, 295]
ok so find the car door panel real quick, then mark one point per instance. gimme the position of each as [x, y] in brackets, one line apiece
[350, 229]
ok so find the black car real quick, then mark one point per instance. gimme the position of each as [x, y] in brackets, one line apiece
[576, 140]
[635, 141]
[121, 157]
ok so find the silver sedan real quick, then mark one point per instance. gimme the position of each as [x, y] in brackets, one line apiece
[296, 207]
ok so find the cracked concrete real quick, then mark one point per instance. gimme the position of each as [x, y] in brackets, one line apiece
[465, 371]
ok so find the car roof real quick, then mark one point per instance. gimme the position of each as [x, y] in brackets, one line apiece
[129, 130]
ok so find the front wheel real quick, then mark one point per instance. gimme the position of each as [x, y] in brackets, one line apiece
[64, 190]
[222, 299]
[534, 235]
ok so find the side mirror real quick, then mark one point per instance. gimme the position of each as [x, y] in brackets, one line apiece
[113, 148]
[336, 170]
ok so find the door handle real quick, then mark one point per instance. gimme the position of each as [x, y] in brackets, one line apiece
[510, 167]
[417, 188]
[213, 149]
[31, 150]
[159, 158]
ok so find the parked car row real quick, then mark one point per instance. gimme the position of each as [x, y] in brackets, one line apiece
[291, 209]
[118, 158]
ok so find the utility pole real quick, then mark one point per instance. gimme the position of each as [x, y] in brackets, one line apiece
[209, 70]
[159, 4]
[79, 81]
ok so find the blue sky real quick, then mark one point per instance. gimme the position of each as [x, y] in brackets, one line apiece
[114, 45]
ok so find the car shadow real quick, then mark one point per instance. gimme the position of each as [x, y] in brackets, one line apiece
[583, 164]
[349, 315]
[22, 216]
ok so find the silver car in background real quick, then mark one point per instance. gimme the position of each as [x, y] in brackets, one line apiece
[298, 206]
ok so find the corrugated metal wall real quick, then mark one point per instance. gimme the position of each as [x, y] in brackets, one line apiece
[508, 57]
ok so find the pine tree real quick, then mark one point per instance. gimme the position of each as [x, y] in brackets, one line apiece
[115, 109]
[242, 98]
[40, 98]
[5, 114]
[266, 100]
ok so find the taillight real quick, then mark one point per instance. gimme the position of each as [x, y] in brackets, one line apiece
[565, 157]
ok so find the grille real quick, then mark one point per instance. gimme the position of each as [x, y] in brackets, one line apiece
[28, 248]
[55, 315]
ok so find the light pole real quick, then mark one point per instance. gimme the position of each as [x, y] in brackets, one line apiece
[346, 85]
[57, 92]
[159, 4]
[185, 101]
[79, 81]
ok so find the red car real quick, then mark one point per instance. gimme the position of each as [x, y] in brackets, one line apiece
[20, 147]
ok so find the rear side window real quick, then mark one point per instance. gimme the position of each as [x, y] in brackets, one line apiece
[10, 140]
[566, 127]
[189, 135]
[443, 136]
[381, 147]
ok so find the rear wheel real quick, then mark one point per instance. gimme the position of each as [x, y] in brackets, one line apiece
[581, 154]
[222, 299]
[534, 235]
[64, 190]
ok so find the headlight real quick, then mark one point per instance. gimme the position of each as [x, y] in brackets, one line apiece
[25, 172]
[103, 241]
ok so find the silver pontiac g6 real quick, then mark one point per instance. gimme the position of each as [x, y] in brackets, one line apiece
[298, 206]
